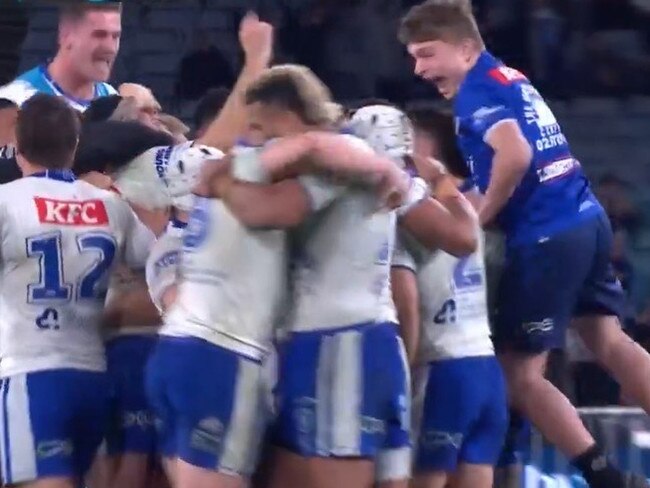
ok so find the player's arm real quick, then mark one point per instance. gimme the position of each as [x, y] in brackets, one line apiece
[256, 39]
[406, 298]
[511, 160]
[447, 221]
[162, 274]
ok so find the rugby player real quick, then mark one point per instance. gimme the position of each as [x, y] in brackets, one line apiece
[53, 364]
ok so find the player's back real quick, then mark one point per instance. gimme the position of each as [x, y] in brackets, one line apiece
[453, 301]
[341, 259]
[232, 278]
[60, 240]
[38, 80]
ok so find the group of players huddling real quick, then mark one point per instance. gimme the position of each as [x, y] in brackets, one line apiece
[306, 305]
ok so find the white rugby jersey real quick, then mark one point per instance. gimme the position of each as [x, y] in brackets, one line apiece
[341, 259]
[61, 239]
[232, 278]
[453, 301]
[163, 262]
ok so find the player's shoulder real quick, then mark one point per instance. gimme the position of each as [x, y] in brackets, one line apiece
[23, 87]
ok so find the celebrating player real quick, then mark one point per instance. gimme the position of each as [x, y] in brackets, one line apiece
[558, 236]
[89, 39]
[53, 366]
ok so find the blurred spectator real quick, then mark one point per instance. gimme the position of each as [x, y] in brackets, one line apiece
[548, 40]
[208, 109]
[614, 195]
[202, 68]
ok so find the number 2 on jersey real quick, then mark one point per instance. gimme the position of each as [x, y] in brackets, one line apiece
[52, 286]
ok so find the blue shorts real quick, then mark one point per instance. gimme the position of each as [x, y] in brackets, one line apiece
[51, 424]
[132, 427]
[461, 414]
[343, 392]
[210, 404]
[545, 284]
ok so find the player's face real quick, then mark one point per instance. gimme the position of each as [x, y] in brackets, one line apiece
[267, 122]
[424, 145]
[8, 118]
[441, 63]
[93, 43]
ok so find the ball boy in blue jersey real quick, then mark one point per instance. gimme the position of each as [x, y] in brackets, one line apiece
[558, 237]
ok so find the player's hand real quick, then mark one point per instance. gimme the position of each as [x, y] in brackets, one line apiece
[256, 39]
[208, 176]
[393, 188]
[429, 169]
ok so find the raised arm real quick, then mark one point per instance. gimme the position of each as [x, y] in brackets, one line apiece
[256, 39]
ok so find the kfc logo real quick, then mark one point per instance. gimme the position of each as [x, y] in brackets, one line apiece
[88, 212]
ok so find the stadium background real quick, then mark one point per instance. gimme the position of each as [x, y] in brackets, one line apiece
[590, 58]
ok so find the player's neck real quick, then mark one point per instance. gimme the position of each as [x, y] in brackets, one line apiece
[63, 73]
[30, 169]
[474, 59]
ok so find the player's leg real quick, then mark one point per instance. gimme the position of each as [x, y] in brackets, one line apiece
[539, 289]
[508, 470]
[484, 440]
[601, 301]
[219, 419]
[339, 390]
[47, 438]
[131, 437]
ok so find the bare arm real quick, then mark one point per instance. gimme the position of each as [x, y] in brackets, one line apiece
[512, 157]
[256, 39]
[406, 298]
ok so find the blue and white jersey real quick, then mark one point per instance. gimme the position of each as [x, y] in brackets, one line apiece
[38, 80]
[163, 262]
[453, 301]
[554, 194]
[61, 239]
[232, 278]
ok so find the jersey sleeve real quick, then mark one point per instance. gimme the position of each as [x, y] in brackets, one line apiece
[18, 91]
[418, 191]
[402, 258]
[322, 191]
[161, 270]
[484, 106]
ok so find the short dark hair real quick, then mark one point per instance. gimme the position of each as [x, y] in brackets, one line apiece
[209, 106]
[75, 11]
[6, 103]
[439, 125]
[440, 20]
[101, 108]
[47, 131]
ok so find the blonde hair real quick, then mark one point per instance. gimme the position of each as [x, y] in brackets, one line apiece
[440, 20]
[296, 88]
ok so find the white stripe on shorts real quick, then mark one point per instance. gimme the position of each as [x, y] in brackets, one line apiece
[247, 422]
[324, 373]
[18, 453]
[347, 389]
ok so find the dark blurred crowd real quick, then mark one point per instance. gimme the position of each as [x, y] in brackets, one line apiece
[569, 47]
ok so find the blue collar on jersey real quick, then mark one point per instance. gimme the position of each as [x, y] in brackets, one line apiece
[45, 73]
[177, 224]
[56, 174]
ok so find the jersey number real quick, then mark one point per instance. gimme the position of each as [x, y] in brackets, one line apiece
[52, 285]
[463, 278]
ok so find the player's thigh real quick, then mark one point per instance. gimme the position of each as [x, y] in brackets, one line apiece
[191, 476]
[132, 429]
[50, 483]
[434, 479]
[219, 418]
[341, 390]
[131, 471]
[293, 470]
[539, 290]
[448, 401]
[601, 293]
[485, 438]
[53, 422]
[473, 476]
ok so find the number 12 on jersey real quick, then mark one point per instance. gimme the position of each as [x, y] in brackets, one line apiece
[47, 248]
